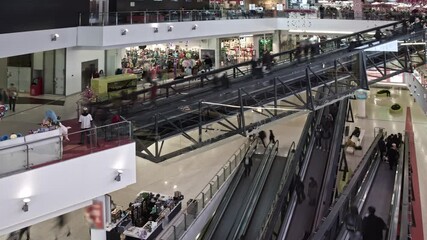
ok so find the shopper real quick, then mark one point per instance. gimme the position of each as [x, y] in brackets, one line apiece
[299, 189]
[262, 136]
[26, 231]
[85, 121]
[312, 191]
[318, 134]
[382, 147]
[248, 164]
[392, 156]
[373, 226]
[12, 94]
[353, 223]
[272, 137]
[61, 222]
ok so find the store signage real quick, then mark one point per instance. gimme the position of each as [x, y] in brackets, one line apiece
[386, 47]
[242, 3]
[94, 215]
[279, 7]
[252, 6]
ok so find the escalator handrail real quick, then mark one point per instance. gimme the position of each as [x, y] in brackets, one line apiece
[230, 192]
[340, 204]
[284, 178]
[256, 193]
[404, 228]
[333, 158]
[290, 211]
[297, 160]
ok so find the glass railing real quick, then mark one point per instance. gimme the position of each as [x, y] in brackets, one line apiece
[197, 205]
[160, 16]
[49, 146]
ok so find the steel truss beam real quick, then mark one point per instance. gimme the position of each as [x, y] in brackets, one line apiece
[340, 76]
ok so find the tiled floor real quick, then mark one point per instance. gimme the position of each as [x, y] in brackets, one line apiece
[189, 173]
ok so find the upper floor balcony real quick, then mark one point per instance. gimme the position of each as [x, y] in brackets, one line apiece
[62, 172]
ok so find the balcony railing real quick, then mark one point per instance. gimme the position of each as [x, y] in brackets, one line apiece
[49, 147]
[145, 17]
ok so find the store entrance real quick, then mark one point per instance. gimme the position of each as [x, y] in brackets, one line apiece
[88, 69]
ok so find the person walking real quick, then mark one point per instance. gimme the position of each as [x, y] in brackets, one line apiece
[248, 165]
[373, 226]
[61, 222]
[318, 134]
[262, 136]
[392, 156]
[312, 191]
[327, 134]
[272, 137]
[353, 223]
[85, 121]
[382, 147]
[299, 189]
[12, 94]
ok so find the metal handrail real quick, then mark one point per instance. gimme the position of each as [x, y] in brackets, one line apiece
[255, 192]
[405, 224]
[232, 162]
[355, 182]
[399, 183]
[284, 178]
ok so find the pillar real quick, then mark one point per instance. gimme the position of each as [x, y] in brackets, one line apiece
[361, 96]
[358, 9]
[256, 46]
[276, 41]
[113, 60]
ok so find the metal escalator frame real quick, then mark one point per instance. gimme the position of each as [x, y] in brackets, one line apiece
[199, 143]
[302, 171]
[332, 166]
[255, 194]
[283, 180]
[248, 147]
[303, 149]
[405, 224]
[229, 195]
[334, 220]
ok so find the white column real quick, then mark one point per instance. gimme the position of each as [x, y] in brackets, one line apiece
[114, 60]
[361, 108]
[276, 41]
[215, 43]
[256, 46]
[361, 96]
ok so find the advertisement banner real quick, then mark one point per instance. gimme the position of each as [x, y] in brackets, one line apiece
[94, 215]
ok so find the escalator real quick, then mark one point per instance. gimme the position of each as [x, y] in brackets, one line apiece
[252, 228]
[373, 184]
[238, 195]
[302, 216]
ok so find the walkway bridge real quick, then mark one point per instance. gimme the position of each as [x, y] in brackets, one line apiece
[194, 107]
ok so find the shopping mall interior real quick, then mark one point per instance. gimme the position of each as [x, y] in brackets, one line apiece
[213, 119]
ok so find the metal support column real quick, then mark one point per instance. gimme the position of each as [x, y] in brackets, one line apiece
[200, 122]
[275, 96]
[156, 135]
[310, 100]
[336, 76]
[385, 63]
[242, 114]
[362, 71]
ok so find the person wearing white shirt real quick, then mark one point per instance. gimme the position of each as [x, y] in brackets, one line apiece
[85, 121]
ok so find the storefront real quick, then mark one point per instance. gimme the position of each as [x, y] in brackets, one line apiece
[145, 217]
[169, 60]
[244, 48]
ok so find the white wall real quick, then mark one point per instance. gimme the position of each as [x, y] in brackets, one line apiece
[73, 62]
[65, 185]
[13, 44]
